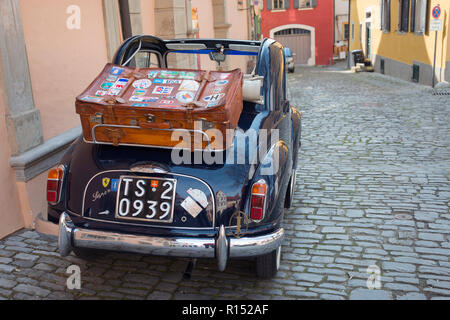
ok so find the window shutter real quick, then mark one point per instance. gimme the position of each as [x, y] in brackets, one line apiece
[388, 16]
[314, 3]
[405, 16]
[296, 4]
[286, 4]
[269, 4]
[423, 15]
[381, 14]
[412, 23]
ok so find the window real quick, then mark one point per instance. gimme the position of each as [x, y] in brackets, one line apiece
[385, 23]
[145, 59]
[418, 16]
[353, 31]
[277, 78]
[403, 15]
[278, 4]
[304, 4]
[291, 31]
[360, 32]
[346, 31]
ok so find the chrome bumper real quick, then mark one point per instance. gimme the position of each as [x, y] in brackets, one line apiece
[220, 248]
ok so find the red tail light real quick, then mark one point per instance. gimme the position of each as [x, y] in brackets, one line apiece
[54, 184]
[258, 200]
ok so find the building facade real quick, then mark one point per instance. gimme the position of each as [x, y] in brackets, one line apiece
[396, 36]
[341, 28]
[306, 26]
[49, 52]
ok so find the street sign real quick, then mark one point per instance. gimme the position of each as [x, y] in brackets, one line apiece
[436, 25]
[436, 12]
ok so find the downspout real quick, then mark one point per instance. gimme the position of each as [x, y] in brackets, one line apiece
[125, 19]
[335, 21]
[188, 12]
[349, 36]
[249, 20]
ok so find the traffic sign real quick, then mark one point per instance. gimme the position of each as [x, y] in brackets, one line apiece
[436, 12]
[436, 25]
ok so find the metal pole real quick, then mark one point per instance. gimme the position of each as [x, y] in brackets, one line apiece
[434, 60]
[349, 36]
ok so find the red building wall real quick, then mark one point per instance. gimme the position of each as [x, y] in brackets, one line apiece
[320, 18]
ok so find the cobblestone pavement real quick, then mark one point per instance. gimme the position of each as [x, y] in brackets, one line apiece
[373, 192]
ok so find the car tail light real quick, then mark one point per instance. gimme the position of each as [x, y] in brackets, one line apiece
[258, 200]
[54, 184]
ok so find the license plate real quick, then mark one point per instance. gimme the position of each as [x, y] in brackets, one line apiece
[145, 199]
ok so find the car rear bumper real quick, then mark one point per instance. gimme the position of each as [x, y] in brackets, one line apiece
[221, 248]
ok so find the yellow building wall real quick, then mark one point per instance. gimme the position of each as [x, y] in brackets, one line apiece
[404, 47]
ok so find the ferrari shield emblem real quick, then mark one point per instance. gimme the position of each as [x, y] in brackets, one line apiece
[105, 182]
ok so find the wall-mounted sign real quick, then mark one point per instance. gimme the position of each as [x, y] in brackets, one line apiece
[435, 25]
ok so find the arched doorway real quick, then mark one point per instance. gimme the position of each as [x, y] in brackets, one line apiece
[301, 40]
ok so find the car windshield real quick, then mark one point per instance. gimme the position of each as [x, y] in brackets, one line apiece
[200, 59]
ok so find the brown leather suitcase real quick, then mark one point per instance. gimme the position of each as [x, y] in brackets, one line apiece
[165, 108]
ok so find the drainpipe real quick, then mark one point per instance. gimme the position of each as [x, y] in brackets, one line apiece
[249, 20]
[125, 19]
[349, 36]
[188, 12]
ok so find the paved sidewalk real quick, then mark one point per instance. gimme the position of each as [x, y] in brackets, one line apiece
[373, 192]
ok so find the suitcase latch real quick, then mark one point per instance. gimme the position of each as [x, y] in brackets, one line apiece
[97, 118]
[150, 118]
[115, 135]
[206, 125]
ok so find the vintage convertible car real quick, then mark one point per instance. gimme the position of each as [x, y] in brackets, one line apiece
[244, 200]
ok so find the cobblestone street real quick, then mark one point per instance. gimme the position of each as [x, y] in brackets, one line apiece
[372, 192]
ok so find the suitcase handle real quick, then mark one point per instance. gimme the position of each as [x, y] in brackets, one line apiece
[154, 125]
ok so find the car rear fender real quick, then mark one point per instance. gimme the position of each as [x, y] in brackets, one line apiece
[275, 171]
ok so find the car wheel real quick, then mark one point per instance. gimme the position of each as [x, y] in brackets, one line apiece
[290, 195]
[88, 254]
[268, 265]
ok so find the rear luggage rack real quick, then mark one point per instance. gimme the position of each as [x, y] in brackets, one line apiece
[95, 141]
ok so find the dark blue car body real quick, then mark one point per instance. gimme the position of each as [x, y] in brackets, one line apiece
[87, 164]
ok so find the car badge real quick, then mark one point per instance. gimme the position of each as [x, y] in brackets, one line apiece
[114, 184]
[154, 183]
[241, 221]
[105, 182]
